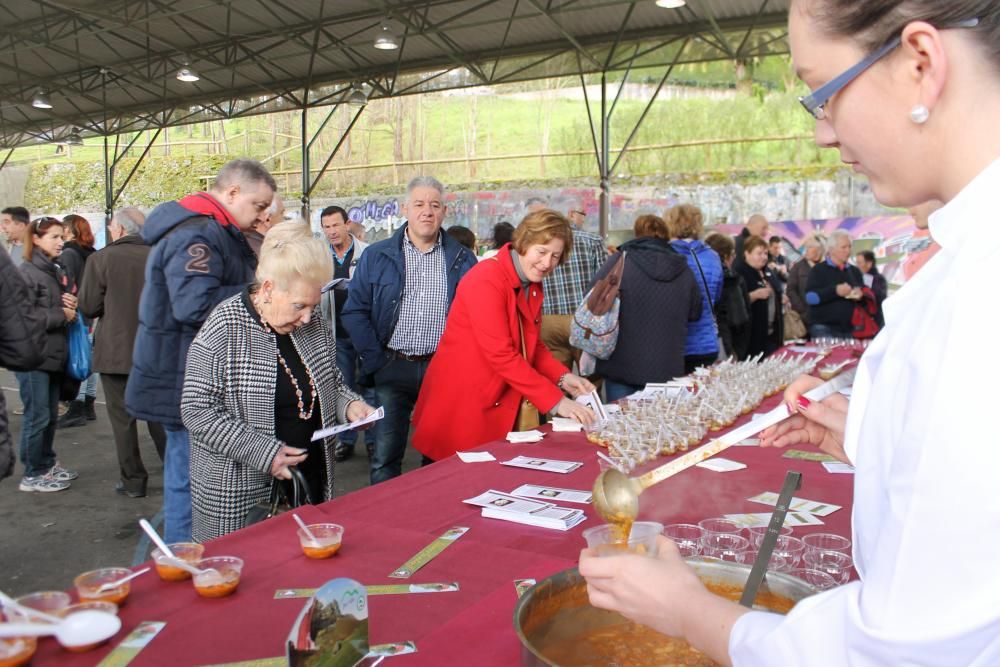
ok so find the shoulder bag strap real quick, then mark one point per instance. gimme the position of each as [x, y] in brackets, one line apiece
[708, 292]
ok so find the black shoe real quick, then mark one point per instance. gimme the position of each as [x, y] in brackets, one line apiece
[343, 451]
[88, 409]
[75, 416]
[122, 491]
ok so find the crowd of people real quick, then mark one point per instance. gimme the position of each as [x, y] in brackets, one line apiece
[202, 327]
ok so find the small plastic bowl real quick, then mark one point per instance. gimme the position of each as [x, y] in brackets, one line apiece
[826, 542]
[108, 607]
[17, 651]
[837, 564]
[790, 548]
[189, 552]
[821, 581]
[88, 583]
[221, 583]
[326, 543]
[726, 546]
[777, 562]
[720, 525]
[641, 539]
[686, 536]
[50, 602]
[757, 534]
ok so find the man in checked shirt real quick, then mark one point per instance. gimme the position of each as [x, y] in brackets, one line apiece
[566, 286]
[396, 308]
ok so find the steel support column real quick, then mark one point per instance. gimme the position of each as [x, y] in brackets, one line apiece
[306, 190]
[605, 159]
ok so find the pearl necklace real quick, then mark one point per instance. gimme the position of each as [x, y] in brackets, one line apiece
[304, 415]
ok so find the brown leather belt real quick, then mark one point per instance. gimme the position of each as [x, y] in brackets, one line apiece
[410, 357]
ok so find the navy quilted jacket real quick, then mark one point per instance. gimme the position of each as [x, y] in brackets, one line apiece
[195, 264]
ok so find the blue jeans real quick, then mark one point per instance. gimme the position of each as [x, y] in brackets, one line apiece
[177, 487]
[40, 395]
[347, 362]
[615, 390]
[397, 385]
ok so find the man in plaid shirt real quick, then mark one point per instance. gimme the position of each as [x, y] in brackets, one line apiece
[566, 286]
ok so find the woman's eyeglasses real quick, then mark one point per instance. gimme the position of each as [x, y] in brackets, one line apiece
[815, 102]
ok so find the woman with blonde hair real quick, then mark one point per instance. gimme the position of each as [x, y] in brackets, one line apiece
[686, 225]
[490, 357]
[261, 378]
[814, 249]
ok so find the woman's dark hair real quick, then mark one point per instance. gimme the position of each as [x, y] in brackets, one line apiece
[651, 225]
[752, 243]
[38, 227]
[82, 233]
[870, 258]
[503, 232]
[722, 244]
[872, 23]
[463, 235]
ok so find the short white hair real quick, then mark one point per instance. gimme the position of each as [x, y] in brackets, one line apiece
[837, 235]
[424, 182]
[130, 219]
[290, 252]
[817, 239]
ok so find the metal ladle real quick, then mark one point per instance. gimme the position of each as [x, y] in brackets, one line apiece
[616, 496]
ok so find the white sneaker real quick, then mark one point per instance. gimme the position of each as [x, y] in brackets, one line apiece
[61, 474]
[42, 484]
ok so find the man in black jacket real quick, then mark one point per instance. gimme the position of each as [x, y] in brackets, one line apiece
[833, 289]
[22, 339]
[111, 287]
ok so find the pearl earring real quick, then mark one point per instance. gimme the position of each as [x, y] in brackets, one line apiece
[919, 114]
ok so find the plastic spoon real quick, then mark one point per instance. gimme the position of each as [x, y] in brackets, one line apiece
[84, 628]
[9, 603]
[153, 535]
[305, 528]
[112, 585]
[169, 556]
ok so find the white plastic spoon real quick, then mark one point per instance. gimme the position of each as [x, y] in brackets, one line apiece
[302, 524]
[9, 603]
[83, 628]
[153, 535]
[112, 585]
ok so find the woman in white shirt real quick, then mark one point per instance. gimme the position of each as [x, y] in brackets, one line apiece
[909, 92]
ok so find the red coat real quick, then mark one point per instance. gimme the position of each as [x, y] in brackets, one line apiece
[474, 385]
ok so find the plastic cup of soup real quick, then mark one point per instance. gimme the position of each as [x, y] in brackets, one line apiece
[17, 651]
[222, 578]
[88, 583]
[189, 552]
[50, 602]
[106, 607]
[641, 539]
[325, 540]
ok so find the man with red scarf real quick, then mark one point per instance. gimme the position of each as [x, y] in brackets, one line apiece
[199, 257]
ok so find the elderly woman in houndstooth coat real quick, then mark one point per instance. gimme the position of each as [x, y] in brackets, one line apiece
[261, 378]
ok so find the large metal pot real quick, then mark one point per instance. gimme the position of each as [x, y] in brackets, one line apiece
[557, 608]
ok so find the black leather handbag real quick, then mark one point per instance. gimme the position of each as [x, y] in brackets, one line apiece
[279, 500]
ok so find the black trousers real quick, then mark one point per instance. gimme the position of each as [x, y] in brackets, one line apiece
[123, 427]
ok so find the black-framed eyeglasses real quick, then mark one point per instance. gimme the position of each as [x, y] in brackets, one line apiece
[815, 102]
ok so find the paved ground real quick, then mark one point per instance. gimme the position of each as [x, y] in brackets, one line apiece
[46, 539]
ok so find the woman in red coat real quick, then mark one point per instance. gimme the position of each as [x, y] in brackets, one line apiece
[480, 372]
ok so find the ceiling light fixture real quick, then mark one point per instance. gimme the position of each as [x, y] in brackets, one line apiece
[357, 98]
[386, 40]
[41, 100]
[187, 74]
[670, 4]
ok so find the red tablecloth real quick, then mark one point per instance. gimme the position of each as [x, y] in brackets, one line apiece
[387, 524]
